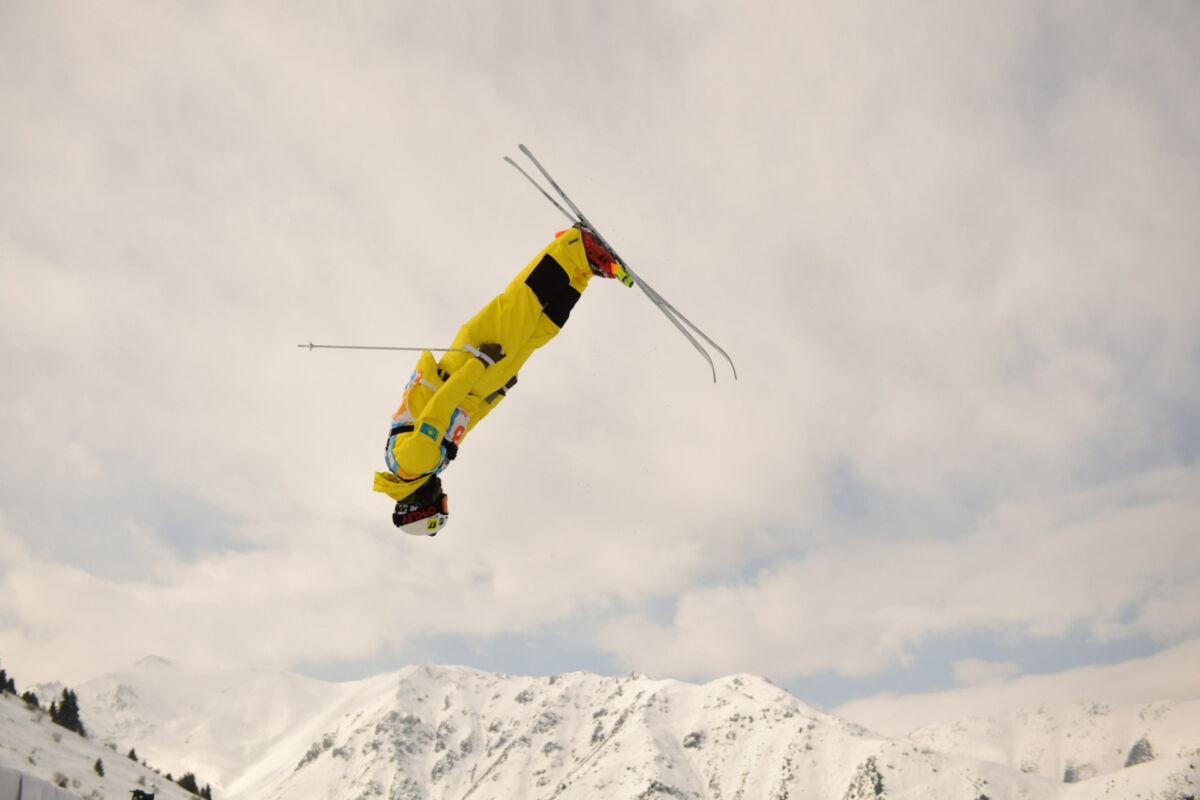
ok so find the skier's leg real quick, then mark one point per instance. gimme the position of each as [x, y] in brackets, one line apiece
[557, 299]
[501, 373]
[530, 311]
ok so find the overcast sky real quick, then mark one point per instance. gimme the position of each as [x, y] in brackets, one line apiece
[952, 248]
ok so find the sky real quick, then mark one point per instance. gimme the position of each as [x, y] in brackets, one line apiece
[951, 247]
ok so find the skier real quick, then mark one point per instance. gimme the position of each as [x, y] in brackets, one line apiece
[446, 398]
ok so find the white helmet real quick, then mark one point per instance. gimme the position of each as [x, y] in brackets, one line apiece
[424, 512]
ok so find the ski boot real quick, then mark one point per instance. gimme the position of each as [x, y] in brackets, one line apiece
[601, 261]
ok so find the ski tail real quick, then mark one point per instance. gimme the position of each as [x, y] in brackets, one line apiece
[685, 326]
[574, 219]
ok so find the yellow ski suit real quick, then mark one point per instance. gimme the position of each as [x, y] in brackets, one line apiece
[446, 398]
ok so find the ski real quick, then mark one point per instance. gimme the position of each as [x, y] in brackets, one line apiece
[682, 323]
[538, 186]
[669, 311]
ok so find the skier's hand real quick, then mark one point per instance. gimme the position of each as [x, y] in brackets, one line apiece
[490, 353]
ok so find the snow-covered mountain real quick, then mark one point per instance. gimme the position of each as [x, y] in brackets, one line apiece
[454, 732]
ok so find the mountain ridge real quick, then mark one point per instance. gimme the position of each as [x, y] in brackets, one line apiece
[427, 732]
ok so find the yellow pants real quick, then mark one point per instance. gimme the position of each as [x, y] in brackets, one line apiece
[529, 313]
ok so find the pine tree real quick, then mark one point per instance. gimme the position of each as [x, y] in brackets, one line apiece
[132, 755]
[7, 684]
[66, 713]
[206, 792]
[31, 700]
[188, 781]
[1140, 753]
[99, 767]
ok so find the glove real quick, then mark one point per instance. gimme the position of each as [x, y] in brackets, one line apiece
[502, 391]
[489, 353]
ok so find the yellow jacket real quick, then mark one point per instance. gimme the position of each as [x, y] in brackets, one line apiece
[446, 398]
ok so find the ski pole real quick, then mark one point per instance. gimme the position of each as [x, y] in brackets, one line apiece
[311, 346]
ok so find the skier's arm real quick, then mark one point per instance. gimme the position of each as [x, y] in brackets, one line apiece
[421, 451]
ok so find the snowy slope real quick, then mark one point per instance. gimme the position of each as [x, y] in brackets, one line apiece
[211, 725]
[1077, 742]
[1072, 741]
[453, 732]
[31, 744]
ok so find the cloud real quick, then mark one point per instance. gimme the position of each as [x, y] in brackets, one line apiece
[1115, 561]
[977, 672]
[949, 250]
[1169, 675]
